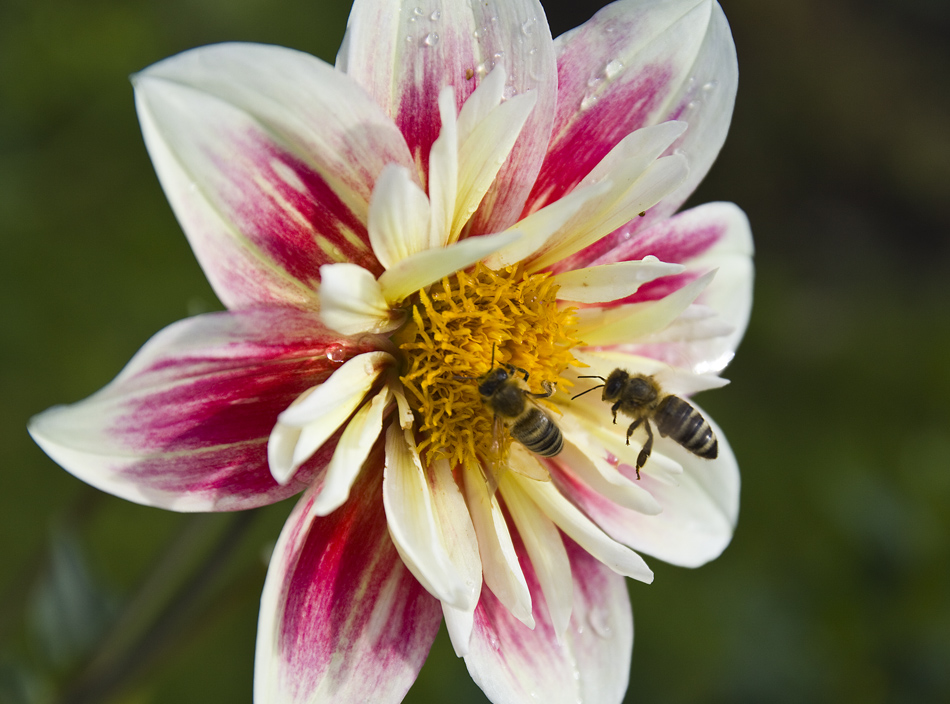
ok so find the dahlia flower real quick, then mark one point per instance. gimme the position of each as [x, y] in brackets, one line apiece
[459, 193]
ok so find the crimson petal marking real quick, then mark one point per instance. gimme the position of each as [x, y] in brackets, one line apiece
[405, 56]
[714, 235]
[699, 510]
[268, 157]
[513, 664]
[683, 55]
[342, 619]
[185, 425]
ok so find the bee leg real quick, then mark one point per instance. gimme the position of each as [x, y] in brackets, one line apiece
[633, 426]
[548, 390]
[512, 367]
[647, 449]
[615, 408]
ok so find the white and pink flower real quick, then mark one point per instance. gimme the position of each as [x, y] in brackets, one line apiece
[459, 191]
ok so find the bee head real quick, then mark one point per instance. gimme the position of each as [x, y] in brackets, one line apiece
[493, 379]
[615, 384]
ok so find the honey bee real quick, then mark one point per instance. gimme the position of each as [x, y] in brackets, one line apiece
[640, 397]
[526, 422]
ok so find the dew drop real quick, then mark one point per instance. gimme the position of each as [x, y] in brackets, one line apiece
[594, 81]
[588, 101]
[599, 620]
[336, 353]
[693, 105]
[431, 39]
[710, 86]
[613, 68]
[417, 12]
[527, 27]
[436, 15]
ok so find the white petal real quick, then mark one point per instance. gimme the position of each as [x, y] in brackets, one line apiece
[425, 268]
[611, 282]
[568, 518]
[503, 574]
[443, 172]
[323, 411]
[540, 226]
[622, 203]
[633, 322]
[587, 459]
[414, 524]
[483, 153]
[352, 302]
[398, 216]
[546, 550]
[351, 452]
[459, 623]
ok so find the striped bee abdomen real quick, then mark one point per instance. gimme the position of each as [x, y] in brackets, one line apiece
[677, 419]
[536, 431]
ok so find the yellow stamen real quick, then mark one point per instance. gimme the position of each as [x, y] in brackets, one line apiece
[455, 329]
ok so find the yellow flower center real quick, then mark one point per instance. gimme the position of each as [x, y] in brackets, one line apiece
[456, 329]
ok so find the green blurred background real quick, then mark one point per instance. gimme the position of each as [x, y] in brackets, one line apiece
[837, 584]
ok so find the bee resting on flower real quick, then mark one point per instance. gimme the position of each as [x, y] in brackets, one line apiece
[458, 194]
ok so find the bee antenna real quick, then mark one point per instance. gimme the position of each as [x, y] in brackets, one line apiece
[493, 345]
[593, 376]
[588, 390]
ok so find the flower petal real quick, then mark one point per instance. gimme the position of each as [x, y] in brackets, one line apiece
[324, 409]
[502, 572]
[633, 322]
[342, 619]
[424, 268]
[404, 55]
[699, 512]
[513, 664]
[268, 157]
[352, 302]
[548, 558]
[458, 533]
[185, 425]
[710, 236]
[609, 282]
[570, 520]
[444, 172]
[414, 516]
[638, 63]
[398, 216]
[351, 452]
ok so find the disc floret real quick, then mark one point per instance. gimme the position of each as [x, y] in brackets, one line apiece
[462, 326]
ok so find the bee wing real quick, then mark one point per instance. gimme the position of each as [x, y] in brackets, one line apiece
[493, 465]
[523, 462]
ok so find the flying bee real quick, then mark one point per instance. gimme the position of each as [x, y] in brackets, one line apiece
[640, 397]
[511, 404]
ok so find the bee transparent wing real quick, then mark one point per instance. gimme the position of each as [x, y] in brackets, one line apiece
[493, 465]
[522, 461]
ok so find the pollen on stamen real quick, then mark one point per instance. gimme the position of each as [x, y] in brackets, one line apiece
[456, 328]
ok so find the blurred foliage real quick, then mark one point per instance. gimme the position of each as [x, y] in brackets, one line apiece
[836, 585]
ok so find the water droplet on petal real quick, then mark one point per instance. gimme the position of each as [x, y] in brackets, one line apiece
[417, 11]
[588, 101]
[336, 353]
[599, 620]
[613, 68]
[594, 81]
[527, 27]
[436, 15]
[710, 86]
[431, 39]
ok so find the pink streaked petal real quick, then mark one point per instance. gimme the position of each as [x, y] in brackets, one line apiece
[513, 664]
[710, 236]
[405, 55]
[268, 157]
[636, 63]
[700, 506]
[342, 619]
[185, 425]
